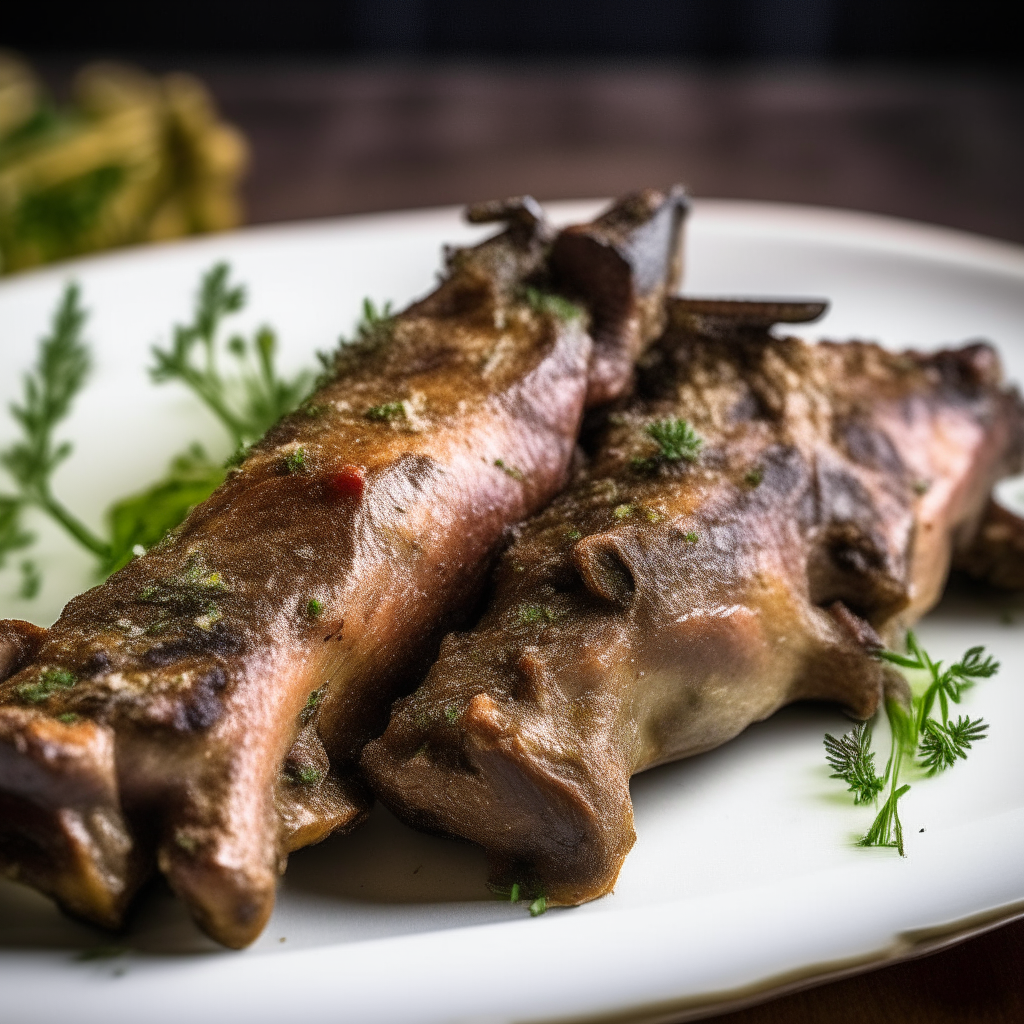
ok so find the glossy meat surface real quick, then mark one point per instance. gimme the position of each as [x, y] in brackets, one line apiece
[204, 709]
[660, 605]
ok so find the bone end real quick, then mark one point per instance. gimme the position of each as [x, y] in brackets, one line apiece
[61, 826]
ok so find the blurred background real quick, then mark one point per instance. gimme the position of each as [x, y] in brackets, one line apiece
[904, 107]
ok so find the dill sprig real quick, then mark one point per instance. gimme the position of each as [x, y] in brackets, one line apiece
[921, 733]
[50, 388]
[676, 440]
[253, 398]
[854, 763]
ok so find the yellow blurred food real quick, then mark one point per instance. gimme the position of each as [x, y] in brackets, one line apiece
[134, 159]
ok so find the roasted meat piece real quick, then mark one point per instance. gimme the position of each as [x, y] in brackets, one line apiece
[204, 709]
[753, 526]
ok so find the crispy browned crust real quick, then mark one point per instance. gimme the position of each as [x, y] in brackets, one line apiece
[655, 609]
[216, 715]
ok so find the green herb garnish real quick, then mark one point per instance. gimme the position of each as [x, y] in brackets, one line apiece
[623, 511]
[295, 462]
[551, 303]
[508, 470]
[387, 412]
[255, 397]
[142, 520]
[49, 389]
[31, 580]
[676, 440]
[854, 762]
[530, 613]
[538, 906]
[50, 682]
[314, 609]
[691, 537]
[753, 477]
[923, 732]
[305, 776]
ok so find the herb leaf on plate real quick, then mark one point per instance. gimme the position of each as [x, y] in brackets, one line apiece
[922, 735]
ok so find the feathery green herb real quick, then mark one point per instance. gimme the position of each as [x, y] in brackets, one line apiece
[247, 401]
[256, 396]
[854, 762]
[921, 733]
[676, 440]
[49, 390]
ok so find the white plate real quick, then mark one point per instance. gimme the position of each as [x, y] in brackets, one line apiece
[744, 877]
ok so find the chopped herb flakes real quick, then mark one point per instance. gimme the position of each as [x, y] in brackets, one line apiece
[50, 682]
[623, 511]
[68, 718]
[538, 906]
[193, 591]
[452, 714]
[295, 462]
[922, 487]
[530, 613]
[508, 470]
[387, 412]
[691, 537]
[753, 478]
[555, 305]
[573, 534]
[305, 776]
[314, 609]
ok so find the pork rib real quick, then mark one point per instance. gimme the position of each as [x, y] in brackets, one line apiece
[659, 606]
[204, 709]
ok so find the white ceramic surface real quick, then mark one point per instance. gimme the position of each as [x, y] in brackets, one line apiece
[744, 870]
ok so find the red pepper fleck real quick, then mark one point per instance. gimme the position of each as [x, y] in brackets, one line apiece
[348, 482]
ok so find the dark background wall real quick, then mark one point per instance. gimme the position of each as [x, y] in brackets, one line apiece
[979, 33]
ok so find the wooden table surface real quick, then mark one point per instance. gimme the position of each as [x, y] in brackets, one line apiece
[944, 148]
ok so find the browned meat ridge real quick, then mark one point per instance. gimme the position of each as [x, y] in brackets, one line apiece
[658, 607]
[206, 706]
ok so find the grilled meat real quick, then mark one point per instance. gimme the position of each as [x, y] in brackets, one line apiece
[661, 605]
[204, 709]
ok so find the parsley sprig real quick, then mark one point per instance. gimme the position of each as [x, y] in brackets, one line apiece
[922, 732]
